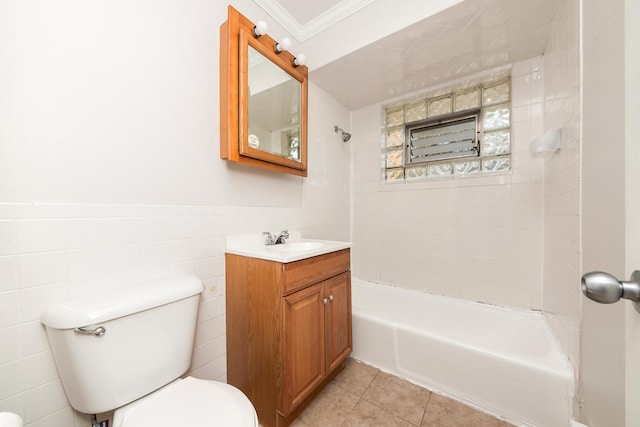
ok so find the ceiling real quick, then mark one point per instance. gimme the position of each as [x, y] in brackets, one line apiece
[305, 19]
[465, 39]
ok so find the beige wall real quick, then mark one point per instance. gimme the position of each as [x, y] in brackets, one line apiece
[632, 126]
[603, 208]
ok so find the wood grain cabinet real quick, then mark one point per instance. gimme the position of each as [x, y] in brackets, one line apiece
[288, 329]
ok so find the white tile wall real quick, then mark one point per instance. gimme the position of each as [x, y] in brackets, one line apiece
[8, 273]
[43, 400]
[8, 237]
[562, 249]
[476, 238]
[35, 235]
[35, 269]
[51, 258]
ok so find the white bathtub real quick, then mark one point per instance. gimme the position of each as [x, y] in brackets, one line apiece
[502, 361]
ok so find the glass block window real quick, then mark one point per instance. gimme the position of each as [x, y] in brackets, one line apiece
[416, 111]
[459, 131]
[467, 100]
[395, 137]
[440, 106]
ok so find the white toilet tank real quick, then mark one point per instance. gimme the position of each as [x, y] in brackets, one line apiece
[147, 342]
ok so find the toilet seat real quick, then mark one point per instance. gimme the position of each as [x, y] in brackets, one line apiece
[189, 402]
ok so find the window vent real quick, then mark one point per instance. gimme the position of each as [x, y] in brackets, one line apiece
[446, 138]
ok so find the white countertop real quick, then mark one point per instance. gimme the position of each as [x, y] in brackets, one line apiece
[295, 248]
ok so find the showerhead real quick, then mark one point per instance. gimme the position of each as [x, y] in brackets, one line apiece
[346, 136]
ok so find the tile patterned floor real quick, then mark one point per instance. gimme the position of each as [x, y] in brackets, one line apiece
[364, 396]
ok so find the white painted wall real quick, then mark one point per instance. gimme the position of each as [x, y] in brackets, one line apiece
[99, 101]
[110, 172]
[475, 238]
[632, 209]
[603, 208]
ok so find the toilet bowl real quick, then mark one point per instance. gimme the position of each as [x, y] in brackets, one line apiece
[7, 419]
[189, 402]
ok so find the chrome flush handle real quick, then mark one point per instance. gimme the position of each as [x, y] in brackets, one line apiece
[96, 331]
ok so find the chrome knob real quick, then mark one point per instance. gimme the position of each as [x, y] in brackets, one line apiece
[604, 288]
[601, 287]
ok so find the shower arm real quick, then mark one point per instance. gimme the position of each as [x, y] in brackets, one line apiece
[346, 136]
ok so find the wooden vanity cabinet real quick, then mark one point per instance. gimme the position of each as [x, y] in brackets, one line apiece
[288, 329]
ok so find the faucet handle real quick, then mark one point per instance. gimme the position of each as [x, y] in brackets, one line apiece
[269, 238]
[282, 237]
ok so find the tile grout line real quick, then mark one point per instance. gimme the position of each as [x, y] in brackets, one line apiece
[426, 407]
[387, 410]
[360, 398]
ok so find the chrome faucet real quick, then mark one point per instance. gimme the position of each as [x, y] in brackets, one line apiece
[271, 239]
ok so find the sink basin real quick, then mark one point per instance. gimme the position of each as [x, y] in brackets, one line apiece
[296, 246]
[295, 249]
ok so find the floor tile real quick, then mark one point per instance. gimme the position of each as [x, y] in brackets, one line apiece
[363, 396]
[445, 412]
[330, 408]
[366, 414]
[401, 398]
[337, 392]
[356, 376]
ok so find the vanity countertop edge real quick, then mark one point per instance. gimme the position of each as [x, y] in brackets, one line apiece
[252, 246]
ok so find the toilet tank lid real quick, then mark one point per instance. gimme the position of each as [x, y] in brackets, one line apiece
[114, 303]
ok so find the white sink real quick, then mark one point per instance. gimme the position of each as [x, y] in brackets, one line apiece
[295, 248]
[302, 246]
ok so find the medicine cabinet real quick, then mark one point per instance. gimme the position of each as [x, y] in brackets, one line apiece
[263, 100]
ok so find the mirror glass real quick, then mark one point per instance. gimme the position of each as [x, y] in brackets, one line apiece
[274, 99]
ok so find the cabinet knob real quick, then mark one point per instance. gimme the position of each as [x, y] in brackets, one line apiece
[331, 297]
[324, 300]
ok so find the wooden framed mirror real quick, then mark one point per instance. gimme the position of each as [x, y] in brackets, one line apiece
[263, 101]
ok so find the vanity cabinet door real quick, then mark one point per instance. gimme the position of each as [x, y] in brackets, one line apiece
[338, 320]
[304, 360]
[317, 336]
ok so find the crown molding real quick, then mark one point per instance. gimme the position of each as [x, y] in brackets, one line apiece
[304, 32]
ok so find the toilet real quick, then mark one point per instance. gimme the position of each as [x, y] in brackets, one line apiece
[8, 419]
[125, 351]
